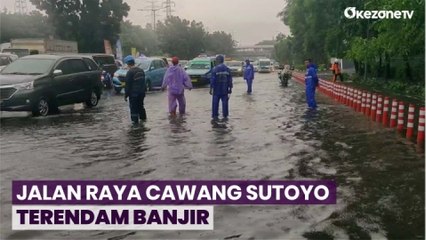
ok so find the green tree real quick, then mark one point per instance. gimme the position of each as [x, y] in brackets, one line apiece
[220, 42]
[88, 22]
[34, 25]
[384, 49]
[182, 38]
[145, 40]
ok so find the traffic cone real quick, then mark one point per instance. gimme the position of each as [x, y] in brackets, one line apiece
[385, 112]
[368, 105]
[379, 108]
[373, 107]
[410, 122]
[421, 127]
[401, 109]
[364, 95]
[394, 113]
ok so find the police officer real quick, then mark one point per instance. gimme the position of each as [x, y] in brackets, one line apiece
[311, 82]
[220, 87]
[249, 75]
[135, 90]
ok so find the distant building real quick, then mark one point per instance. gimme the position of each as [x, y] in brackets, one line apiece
[253, 51]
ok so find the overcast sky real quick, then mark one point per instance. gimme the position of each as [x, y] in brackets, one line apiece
[249, 21]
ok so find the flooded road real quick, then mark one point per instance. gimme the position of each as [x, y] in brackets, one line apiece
[269, 135]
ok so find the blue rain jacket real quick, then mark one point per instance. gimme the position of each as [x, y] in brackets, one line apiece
[221, 80]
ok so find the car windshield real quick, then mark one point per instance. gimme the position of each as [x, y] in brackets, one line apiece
[103, 60]
[234, 64]
[18, 52]
[31, 66]
[264, 63]
[199, 65]
[143, 63]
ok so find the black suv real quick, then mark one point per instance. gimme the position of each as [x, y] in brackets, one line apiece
[41, 83]
[105, 61]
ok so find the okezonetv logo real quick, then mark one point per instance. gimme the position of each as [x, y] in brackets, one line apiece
[352, 12]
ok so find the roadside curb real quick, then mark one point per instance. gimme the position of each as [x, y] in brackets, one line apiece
[411, 118]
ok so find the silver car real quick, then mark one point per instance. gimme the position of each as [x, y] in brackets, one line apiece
[6, 59]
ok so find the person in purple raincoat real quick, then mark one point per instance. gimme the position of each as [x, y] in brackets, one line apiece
[176, 80]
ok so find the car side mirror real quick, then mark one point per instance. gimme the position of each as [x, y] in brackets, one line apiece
[57, 72]
[151, 68]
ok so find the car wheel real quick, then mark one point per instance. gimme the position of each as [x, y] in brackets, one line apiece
[42, 108]
[93, 100]
[148, 86]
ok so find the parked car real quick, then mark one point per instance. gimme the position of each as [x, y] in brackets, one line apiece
[118, 63]
[256, 66]
[20, 52]
[42, 83]
[105, 61]
[183, 63]
[236, 67]
[265, 66]
[200, 70]
[6, 59]
[154, 69]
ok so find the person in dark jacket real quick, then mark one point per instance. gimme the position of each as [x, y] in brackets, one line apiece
[220, 87]
[249, 75]
[135, 90]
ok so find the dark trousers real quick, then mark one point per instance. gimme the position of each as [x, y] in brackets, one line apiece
[335, 77]
[137, 109]
[215, 105]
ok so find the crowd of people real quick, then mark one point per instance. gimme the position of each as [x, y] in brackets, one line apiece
[176, 80]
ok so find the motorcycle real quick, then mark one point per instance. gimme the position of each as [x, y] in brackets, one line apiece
[106, 80]
[118, 85]
[284, 76]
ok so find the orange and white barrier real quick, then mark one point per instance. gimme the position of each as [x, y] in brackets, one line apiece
[401, 109]
[373, 107]
[368, 105]
[421, 127]
[410, 122]
[394, 113]
[363, 97]
[359, 100]
[379, 109]
[385, 116]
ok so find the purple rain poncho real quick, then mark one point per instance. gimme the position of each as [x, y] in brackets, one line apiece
[176, 79]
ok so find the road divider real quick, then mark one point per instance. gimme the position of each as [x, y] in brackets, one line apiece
[375, 107]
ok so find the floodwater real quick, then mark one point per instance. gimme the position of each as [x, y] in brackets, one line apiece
[269, 135]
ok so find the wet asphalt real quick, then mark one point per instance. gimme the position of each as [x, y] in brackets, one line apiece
[269, 135]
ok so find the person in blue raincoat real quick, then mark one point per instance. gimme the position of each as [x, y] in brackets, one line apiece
[311, 82]
[220, 87]
[135, 90]
[249, 75]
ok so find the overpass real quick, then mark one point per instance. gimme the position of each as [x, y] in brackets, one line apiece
[253, 51]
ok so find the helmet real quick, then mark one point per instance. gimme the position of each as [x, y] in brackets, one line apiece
[175, 60]
[220, 59]
[129, 59]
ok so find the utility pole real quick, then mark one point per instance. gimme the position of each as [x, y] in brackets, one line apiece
[168, 4]
[153, 9]
[21, 6]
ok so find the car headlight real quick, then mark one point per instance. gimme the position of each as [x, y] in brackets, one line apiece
[25, 86]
